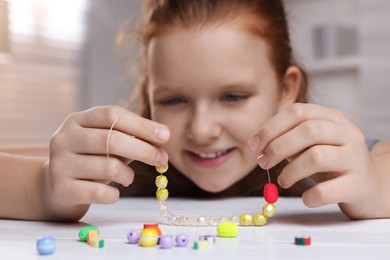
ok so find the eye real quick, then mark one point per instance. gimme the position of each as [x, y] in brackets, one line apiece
[233, 97]
[172, 101]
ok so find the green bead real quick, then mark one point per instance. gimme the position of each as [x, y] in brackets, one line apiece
[83, 233]
[162, 194]
[260, 219]
[269, 210]
[246, 219]
[161, 181]
[162, 169]
[227, 229]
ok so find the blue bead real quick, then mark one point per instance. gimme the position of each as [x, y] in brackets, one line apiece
[46, 245]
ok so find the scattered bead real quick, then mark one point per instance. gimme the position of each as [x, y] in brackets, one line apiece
[246, 219]
[166, 241]
[162, 169]
[95, 243]
[83, 233]
[201, 244]
[161, 181]
[148, 237]
[92, 236]
[102, 243]
[46, 245]
[133, 237]
[155, 226]
[162, 194]
[269, 210]
[98, 243]
[270, 193]
[260, 219]
[181, 240]
[209, 238]
[227, 229]
[303, 241]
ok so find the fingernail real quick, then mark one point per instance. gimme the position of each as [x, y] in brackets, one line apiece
[162, 159]
[262, 160]
[280, 181]
[161, 133]
[254, 143]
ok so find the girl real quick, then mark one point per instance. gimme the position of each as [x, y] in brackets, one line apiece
[220, 94]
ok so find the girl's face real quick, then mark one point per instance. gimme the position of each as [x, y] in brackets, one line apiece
[213, 87]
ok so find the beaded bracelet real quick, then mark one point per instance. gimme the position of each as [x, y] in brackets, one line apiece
[270, 193]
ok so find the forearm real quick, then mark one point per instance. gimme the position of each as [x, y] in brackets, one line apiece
[21, 187]
[35, 150]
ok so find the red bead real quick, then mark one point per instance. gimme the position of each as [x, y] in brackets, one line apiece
[270, 193]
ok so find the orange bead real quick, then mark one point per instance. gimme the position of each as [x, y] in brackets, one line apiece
[270, 193]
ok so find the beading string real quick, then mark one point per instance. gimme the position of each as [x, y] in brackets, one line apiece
[109, 134]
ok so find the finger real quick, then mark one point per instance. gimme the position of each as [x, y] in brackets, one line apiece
[88, 192]
[287, 119]
[126, 122]
[135, 149]
[298, 139]
[116, 143]
[95, 168]
[317, 159]
[328, 192]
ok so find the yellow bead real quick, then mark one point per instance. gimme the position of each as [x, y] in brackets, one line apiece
[148, 237]
[162, 169]
[269, 210]
[260, 219]
[161, 181]
[227, 229]
[162, 194]
[246, 219]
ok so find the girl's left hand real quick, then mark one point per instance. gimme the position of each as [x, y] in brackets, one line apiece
[322, 143]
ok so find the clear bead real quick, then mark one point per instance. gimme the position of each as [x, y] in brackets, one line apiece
[212, 220]
[202, 221]
[181, 220]
[235, 219]
[172, 219]
[223, 219]
[192, 221]
[162, 205]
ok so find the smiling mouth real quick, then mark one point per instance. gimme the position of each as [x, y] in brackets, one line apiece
[211, 155]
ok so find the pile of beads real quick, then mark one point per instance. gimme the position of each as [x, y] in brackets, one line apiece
[151, 236]
[270, 195]
[90, 234]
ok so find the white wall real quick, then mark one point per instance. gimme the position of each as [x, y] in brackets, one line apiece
[375, 77]
[103, 80]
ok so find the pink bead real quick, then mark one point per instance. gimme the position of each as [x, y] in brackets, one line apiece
[270, 193]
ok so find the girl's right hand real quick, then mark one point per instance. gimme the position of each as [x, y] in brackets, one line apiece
[79, 170]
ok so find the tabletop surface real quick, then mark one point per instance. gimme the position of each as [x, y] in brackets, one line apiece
[332, 234]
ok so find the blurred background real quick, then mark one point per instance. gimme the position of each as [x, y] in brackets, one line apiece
[57, 57]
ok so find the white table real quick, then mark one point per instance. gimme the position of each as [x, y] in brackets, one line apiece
[333, 235]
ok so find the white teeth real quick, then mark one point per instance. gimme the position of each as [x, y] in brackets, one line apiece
[211, 155]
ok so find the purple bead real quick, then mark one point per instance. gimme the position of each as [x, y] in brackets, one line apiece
[182, 240]
[133, 237]
[166, 241]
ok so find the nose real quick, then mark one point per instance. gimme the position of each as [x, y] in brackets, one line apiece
[205, 126]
